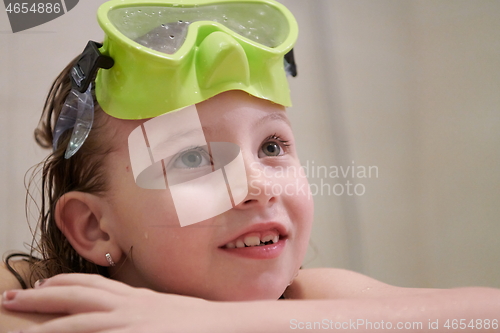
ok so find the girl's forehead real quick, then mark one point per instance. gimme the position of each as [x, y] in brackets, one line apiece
[240, 107]
[230, 111]
[225, 113]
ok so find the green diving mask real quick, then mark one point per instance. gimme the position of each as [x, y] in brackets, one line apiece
[162, 55]
[172, 54]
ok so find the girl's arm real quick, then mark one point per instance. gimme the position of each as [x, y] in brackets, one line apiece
[96, 304]
[333, 283]
[457, 310]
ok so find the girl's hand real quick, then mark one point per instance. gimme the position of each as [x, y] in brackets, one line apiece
[93, 303]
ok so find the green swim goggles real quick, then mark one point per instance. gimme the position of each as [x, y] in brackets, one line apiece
[160, 56]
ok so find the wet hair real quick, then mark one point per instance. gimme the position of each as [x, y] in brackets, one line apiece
[50, 252]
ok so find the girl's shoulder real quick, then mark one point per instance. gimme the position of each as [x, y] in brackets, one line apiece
[335, 283]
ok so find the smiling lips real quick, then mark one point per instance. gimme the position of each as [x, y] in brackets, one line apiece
[265, 244]
[255, 239]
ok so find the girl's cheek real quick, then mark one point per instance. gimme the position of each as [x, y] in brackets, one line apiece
[296, 190]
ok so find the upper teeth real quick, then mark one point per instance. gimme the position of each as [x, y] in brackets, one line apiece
[255, 239]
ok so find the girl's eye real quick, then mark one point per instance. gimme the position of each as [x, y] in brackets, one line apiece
[273, 146]
[271, 149]
[193, 158]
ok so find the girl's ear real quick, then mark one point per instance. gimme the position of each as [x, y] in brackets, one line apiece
[81, 218]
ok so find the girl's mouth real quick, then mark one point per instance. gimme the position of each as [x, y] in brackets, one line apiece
[266, 244]
[250, 239]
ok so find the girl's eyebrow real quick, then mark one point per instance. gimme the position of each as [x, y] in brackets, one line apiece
[273, 116]
[206, 130]
[171, 138]
[270, 116]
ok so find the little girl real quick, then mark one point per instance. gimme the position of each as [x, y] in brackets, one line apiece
[175, 182]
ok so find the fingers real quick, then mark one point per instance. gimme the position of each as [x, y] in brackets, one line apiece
[86, 280]
[81, 323]
[60, 300]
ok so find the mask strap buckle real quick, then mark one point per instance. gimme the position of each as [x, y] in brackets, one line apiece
[77, 112]
[87, 66]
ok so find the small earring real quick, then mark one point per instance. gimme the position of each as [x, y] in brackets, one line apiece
[110, 260]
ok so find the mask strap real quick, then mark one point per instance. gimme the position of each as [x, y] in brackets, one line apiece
[78, 109]
[290, 65]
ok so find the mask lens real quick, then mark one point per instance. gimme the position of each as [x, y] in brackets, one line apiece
[164, 29]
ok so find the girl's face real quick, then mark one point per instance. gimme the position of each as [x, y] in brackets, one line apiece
[204, 259]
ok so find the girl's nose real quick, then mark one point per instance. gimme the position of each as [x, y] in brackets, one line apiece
[260, 185]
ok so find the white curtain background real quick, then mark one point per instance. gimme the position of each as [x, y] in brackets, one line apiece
[409, 88]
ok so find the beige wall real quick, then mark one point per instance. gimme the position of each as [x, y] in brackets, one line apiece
[409, 87]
